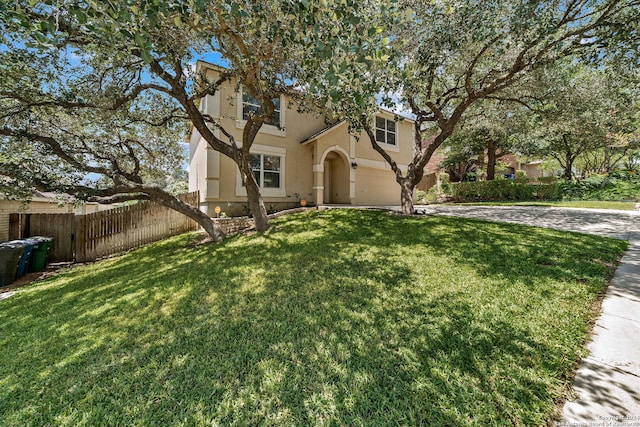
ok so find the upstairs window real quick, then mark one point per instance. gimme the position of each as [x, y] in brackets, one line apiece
[385, 131]
[266, 169]
[249, 104]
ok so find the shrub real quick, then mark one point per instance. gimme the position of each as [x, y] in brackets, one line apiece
[615, 186]
[547, 191]
[500, 190]
[547, 179]
[430, 196]
[444, 177]
[421, 197]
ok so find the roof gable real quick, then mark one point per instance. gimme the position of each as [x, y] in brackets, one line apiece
[323, 132]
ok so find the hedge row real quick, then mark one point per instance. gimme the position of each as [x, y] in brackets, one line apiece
[504, 189]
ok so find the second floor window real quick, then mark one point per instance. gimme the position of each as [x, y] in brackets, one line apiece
[249, 104]
[385, 131]
[266, 170]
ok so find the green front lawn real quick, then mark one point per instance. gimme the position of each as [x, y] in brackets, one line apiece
[340, 317]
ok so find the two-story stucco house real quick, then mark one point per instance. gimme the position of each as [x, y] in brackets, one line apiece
[296, 157]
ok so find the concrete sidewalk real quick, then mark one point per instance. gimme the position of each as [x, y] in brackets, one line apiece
[607, 384]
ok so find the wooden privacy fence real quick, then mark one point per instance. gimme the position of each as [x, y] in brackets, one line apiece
[60, 226]
[104, 233]
[99, 234]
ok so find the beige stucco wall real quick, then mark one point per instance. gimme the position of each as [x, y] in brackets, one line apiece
[376, 187]
[217, 177]
[372, 182]
[317, 170]
[402, 153]
[375, 181]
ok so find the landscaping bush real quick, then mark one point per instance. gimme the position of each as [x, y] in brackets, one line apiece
[432, 195]
[445, 184]
[444, 177]
[547, 191]
[498, 190]
[421, 197]
[547, 179]
[618, 185]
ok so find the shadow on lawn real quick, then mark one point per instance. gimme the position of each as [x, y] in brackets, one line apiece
[318, 320]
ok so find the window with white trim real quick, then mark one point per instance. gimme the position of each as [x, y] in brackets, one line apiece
[386, 131]
[251, 104]
[268, 164]
[266, 169]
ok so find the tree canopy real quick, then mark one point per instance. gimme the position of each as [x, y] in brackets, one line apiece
[106, 86]
[448, 55]
[589, 115]
[87, 60]
[490, 130]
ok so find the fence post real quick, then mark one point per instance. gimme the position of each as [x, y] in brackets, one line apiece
[80, 240]
[16, 225]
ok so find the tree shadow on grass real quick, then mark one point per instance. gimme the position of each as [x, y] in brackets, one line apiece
[519, 252]
[324, 319]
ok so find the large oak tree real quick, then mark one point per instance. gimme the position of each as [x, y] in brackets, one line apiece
[449, 54]
[121, 55]
[590, 117]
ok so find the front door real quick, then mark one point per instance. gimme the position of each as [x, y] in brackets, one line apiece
[336, 179]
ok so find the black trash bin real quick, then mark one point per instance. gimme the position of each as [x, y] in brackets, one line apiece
[10, 254]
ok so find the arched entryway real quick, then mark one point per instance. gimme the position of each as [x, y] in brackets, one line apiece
[336, 178]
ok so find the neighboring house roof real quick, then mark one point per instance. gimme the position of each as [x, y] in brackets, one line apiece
[50, 195]
[323, 132]
[42, 196]
[216, 67]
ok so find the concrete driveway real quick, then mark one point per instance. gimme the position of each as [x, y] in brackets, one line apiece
[619, 224]
[606, 390]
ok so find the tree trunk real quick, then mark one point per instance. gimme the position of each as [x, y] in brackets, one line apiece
[406, 195]
[568, 175]
[492, 147]
[172, 202]
[254, 198]
[569, 156]
[256, 204]
[462, 171]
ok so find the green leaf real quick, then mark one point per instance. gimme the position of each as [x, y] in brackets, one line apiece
[140, 40]
[40, 37]
[146, 55]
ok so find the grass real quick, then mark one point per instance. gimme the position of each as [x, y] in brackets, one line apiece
[338, 317]
[586, 204]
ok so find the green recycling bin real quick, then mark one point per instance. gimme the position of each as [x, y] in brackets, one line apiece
[40, 254]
